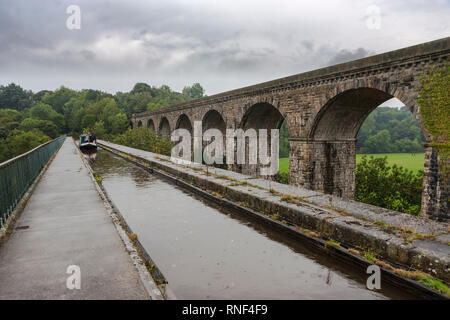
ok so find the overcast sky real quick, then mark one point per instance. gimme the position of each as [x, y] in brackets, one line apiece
[221, 44]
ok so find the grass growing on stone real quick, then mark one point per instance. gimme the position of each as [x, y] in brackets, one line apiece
[98, 178]
[132, 236]
[353, 251]
[224, 177]
[381, 224]
[161, 159]
[332, 243]
[369, 257]
[238, 183]
[287, 198]
[195, 168]
[435, 284]
[275, 216]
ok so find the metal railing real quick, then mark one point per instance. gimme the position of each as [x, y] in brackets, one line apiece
[19, 173]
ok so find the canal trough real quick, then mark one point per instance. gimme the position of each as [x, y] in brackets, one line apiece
[214, 250]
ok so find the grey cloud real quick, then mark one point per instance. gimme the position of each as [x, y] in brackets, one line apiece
[87, 54]
[346, 55]
[239, 64]
[308, 44]
[220, 44]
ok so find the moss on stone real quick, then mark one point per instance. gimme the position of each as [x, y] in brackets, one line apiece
[332, 243]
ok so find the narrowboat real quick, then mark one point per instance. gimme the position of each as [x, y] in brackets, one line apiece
[87, 142]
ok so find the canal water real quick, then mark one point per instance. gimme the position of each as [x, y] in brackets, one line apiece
[208, 252]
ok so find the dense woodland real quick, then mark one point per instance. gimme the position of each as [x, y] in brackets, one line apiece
[390, 130]
[28, 119]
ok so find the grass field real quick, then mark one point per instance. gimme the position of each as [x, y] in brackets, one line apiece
[283, 165]
[409, 161]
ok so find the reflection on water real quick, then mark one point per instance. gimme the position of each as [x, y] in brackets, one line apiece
[208, 252]
[89, 155]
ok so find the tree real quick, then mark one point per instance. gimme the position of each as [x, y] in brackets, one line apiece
[99, 129]
[14, 97]
[43, 111]
[137, 102]
[39, 95]
[11, 114]
[141, 87]
[19, 142]
[58, 98]
[45, 126]
[73, 112]
[403, 128]
[195, 91]
[379, 143]
[109, 108]
[89, 95]
[367, 129]
[394, 188]
[47, 114]
[152, 106]
[144, 97]
[8, 122]
[118, 123]
[88, 121]
[144, 139]
[76, 120]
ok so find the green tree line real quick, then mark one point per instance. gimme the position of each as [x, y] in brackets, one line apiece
[28, 119]
[390, 130]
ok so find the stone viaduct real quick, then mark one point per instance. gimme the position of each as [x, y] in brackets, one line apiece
[323, 110]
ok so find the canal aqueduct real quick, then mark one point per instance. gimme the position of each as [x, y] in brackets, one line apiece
[323, 110]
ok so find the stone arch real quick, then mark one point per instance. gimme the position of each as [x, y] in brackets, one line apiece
[331, 140]
[151, 125]
[183, 122]
[139, 124]
[342, 116]
[261, 115]
[131, 125]
[212, 119]
[164, 127]
[360, 98]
